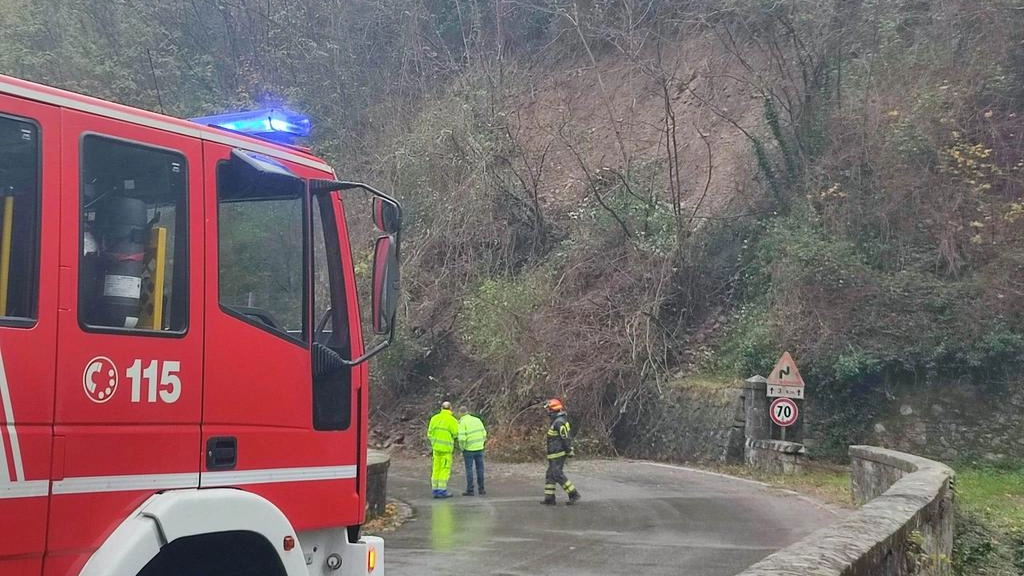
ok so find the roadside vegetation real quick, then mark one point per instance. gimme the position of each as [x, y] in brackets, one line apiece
[825, 482]
[990, 521]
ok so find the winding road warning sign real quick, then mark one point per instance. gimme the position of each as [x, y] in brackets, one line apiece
[785, 380]
[783, 412]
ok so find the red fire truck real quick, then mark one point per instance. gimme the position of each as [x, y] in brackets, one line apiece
[183, 377]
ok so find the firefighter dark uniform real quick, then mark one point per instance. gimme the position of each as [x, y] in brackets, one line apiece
[559, 447]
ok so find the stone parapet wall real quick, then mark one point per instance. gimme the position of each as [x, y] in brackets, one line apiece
[905, 527]
[775, 456]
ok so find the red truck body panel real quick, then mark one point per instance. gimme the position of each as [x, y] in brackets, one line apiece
[74, 465]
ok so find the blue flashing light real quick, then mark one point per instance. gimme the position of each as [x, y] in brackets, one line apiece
[277, 124]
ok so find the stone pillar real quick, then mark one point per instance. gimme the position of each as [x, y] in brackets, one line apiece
[377, 464]
[733, 452]
[755, 407]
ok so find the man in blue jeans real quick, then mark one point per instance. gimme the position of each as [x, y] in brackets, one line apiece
[472, 437]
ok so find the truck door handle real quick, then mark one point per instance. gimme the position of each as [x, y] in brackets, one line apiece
[221, 453]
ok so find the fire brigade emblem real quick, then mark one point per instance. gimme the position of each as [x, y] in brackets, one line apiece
[100, 379]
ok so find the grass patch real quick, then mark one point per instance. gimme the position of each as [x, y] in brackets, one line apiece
[828, 483]
[995, 495]
[990, 521]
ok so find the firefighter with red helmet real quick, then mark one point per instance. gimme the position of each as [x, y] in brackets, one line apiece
[559, 447]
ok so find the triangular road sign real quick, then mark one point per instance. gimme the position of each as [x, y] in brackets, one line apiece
[785, 372]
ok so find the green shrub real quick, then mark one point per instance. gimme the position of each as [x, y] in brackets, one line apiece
[979, 549]
[973, 544]
[629, 205]
[856, 366]
[496, 313]
[749, 346]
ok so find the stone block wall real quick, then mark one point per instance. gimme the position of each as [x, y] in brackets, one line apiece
[954, 421]
[904, 528]
[775, 456]
[690, 423]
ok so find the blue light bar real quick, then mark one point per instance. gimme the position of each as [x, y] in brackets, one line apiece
[277, 124]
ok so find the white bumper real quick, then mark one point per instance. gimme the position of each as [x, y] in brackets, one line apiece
[329, 553]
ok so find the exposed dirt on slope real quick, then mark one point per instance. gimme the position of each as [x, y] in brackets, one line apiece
[621, 112]
[578, 125]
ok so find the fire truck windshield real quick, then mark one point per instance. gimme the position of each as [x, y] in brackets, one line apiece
[291, 263]
[262, 268]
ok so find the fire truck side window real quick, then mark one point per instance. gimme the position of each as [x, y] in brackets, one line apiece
[321, 278]
[19, 221]
[134, 266]
[332, 382]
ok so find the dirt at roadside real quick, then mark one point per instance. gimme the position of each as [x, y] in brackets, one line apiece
[395, 514]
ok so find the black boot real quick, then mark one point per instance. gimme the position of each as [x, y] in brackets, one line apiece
[548, 499]
[469, 492]
[574, 497]
[482, 491]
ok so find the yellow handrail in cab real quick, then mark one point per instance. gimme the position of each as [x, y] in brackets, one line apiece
[153, 287]
[160, 241]
[6, 230]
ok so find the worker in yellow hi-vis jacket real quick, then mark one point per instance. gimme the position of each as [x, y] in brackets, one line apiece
[442, 432]
[472, 437]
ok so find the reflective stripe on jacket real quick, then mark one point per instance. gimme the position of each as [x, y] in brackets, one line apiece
[559, 437]
[472, 434]
[442, 431]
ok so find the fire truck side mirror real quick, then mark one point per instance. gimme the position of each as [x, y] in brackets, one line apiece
[387, 216]
[385, 283]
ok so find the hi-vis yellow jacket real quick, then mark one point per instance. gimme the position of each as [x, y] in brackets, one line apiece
[442, 431]
[472, 434]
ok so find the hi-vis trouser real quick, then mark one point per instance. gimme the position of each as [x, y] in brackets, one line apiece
[556, 477]
[441, 471]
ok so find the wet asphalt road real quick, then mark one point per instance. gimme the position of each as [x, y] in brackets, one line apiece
[635, 518]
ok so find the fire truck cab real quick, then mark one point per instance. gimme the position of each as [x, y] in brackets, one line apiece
[183, 385]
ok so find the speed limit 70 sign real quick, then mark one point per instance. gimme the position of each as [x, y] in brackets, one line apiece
[783, 412]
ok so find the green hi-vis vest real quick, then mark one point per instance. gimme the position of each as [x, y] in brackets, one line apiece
[472, 434]
[442, 431]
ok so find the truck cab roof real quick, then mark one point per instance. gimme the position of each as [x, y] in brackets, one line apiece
[71, 100]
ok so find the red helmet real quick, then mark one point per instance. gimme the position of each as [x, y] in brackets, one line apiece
[554, 405]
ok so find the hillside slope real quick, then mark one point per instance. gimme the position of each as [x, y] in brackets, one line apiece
[863, 211]
[604, 198]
